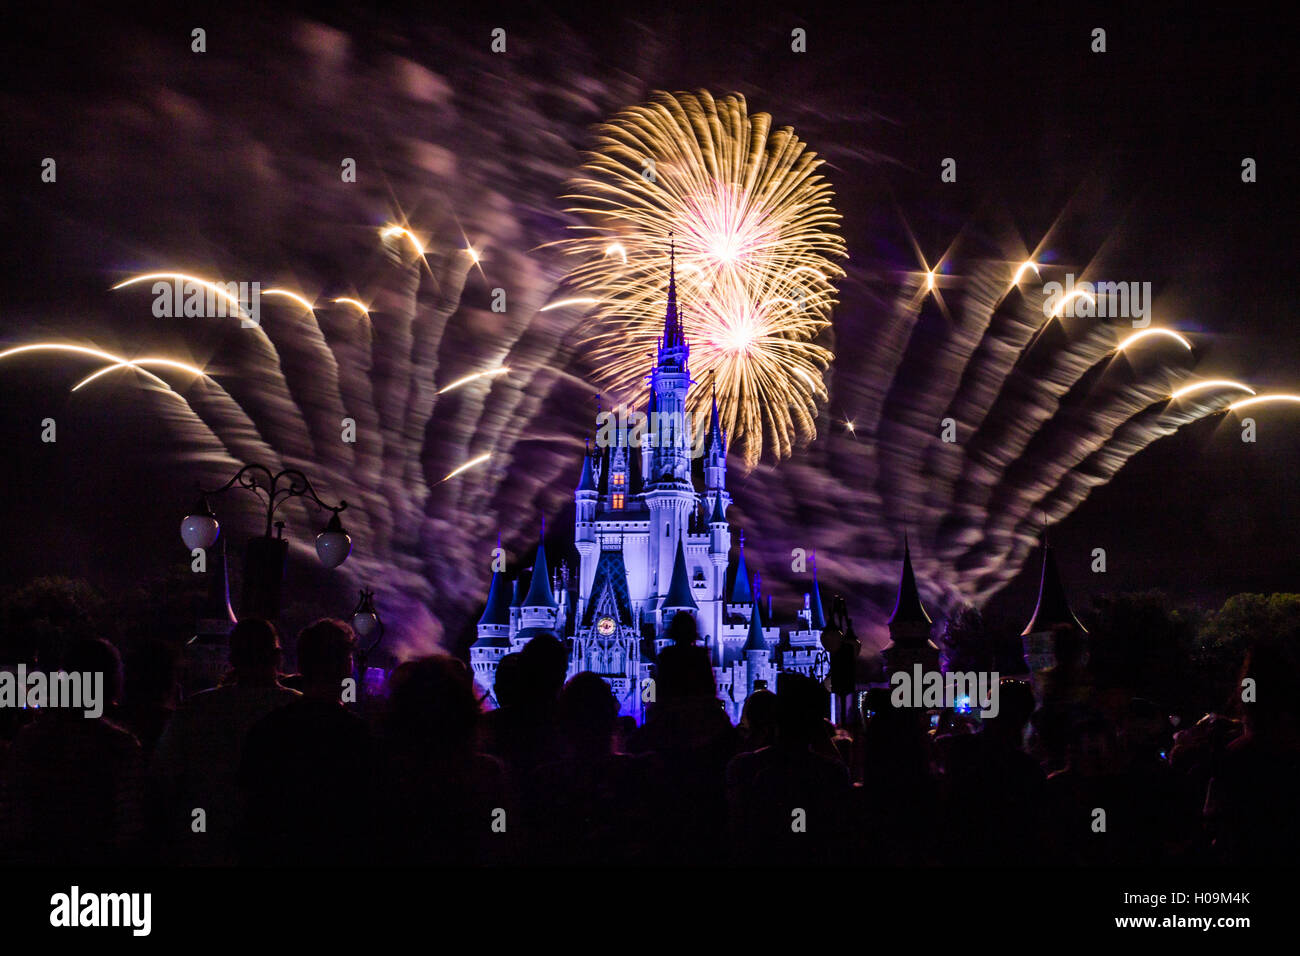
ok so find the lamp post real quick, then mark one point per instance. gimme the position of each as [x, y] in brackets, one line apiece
[265, 556]
[366, 621]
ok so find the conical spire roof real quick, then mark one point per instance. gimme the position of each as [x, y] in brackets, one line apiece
[755, 640]
[718, 516]
[715, 434]
[497, 610]
[1053, 608]
[674, 335]
[587, 481]
[539, 589]
[679, 588]
[908, 609]
[740, 590]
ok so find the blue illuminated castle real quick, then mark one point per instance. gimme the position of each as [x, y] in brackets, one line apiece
[653, 541]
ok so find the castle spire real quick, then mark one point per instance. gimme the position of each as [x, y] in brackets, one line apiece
[674, 337]
[497, 610]
[1053, 608]
[740, 590]
[587, 481]
[715, 438]
[679, 589]
[908, 609]
[754, 640]
[539, 589]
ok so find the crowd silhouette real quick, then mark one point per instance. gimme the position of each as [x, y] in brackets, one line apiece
[272, 769]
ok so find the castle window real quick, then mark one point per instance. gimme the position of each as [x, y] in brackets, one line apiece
[617, 500]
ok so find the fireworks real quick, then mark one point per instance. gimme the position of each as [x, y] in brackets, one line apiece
[752, 225]
[465, 380]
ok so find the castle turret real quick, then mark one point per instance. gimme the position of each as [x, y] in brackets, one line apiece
[669, 495]
[584, 528]
[679, 597]
[493, 641]
[715, 458]
[757, 653]
[539, 608]
[1052, 621]
[909, 626]
[741, 593]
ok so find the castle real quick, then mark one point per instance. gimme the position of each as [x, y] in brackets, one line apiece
[653, 545]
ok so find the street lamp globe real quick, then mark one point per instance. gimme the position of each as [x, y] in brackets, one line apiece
[333, 544]
[199, 528]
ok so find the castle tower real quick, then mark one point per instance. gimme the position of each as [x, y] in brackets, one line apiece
[715, 459]
[909, 626]
[669, 495]
[756, 651]
[1052, 621]
[714, 612]
[493, 641]
[539, 608]
[585, 498]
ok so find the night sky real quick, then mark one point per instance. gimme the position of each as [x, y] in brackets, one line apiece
[226, 163]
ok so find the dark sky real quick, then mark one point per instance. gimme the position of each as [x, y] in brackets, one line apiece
[1134, 153]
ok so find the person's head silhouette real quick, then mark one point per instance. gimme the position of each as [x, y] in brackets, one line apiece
[254, 651]
[325, 651]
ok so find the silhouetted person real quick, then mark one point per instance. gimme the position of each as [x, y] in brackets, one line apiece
[440, 800]
[789, 803]
[1250, 807]
[150, 693]
[898, 797]
[683, 669]
[995, 794]
[688, 730]
[1090, 782]
[757, 727]
[307, 772]
[196, 764]
[591, 805]
[507, 688]
[73, 782]
[1067, 697]
[525, 734]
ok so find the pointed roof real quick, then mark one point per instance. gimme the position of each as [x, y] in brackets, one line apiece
[818, 622]
[679, 589]
[715, 433]
[497, 610]
[740, 591]
[755, 640]
[908, 609]
[539, 589]
[674, 335]
[1053, 608]
[587, 481]
[719, 516]
[609, 587]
